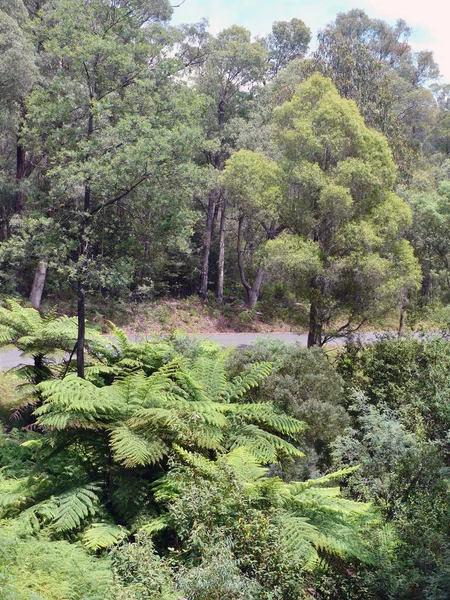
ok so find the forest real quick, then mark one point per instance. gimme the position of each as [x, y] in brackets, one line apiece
[293, 180]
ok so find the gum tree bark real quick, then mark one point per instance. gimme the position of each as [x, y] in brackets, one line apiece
[221, 260]
[38, 284]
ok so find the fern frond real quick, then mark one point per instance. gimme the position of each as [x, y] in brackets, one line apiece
[337, 476]
[154, 526]
[100, 536]
[245, 464]
[132, 449]
[14, 493]
[252, 378]
[199, 462]
[265, 415]
[78, 398]
[265, 446]
[121, 338]
[211, 376]
[74, 506]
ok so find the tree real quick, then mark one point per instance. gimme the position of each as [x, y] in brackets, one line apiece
[428, 195]
[372, 63]
[253, 186]
[404, 474]
[106, 120]
[234, 65]
[18, 74]
[288, 40]
[341, 176]
[439, 136]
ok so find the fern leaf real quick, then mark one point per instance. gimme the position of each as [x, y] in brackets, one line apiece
[102, 535]
[154, 526]
[265, 446]
[132, 449]
[211, 376]
[242, 384]
[245, 464]
[74, 506]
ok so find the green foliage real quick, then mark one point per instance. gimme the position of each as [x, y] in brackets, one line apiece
[177, 448]
[303, 383]
[403, 459]
[283, 530]
[410, 376]
[39, 336]
[173, 469]
[49, 570]
[287, 41]
[140, 574]
[340, 199]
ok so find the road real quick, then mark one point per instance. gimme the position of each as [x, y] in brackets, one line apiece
[12, 358]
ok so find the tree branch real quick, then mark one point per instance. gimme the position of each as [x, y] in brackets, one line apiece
[120, 197]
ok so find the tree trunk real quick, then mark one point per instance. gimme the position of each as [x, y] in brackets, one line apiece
[427, 285]
[19, 204]
[315, 325]
[4, 226]
[253, 294]
[83, 245]
[20, 174]
[81, 312]
[240, 258]
[221, 261]
[211, 217]
[38, 284]
[401, 324]
[251, 291]
[81, 291]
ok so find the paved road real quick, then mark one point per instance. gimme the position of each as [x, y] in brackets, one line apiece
[12, 358]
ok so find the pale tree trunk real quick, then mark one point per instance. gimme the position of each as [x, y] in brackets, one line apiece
[221, 261]
[253, 295]
[38, 284]
[251, 291]
[211, 217]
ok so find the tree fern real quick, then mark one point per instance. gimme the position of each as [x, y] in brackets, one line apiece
[141, 408]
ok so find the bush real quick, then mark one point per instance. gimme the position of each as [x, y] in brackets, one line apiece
[303, 383]
[409, 376]
[140, 574]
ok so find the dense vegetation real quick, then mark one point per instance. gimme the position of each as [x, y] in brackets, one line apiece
[176, 469]
[140, 160]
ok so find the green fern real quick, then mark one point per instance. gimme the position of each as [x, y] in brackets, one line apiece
[132, 449]
[75, 506]
[100, 536]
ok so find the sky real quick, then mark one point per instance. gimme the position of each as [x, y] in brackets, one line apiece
[429, 19]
